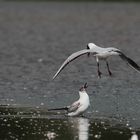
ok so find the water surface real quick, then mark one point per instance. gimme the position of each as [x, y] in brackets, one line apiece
[35, 38]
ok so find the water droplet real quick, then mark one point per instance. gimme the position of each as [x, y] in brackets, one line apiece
[25, 88]
[8, 125]
[5, 120]
[37, 107]
[127, 124]
[11, 100]
[16, 122]
[40, 60]
[45, 96]
[97, 136]
[42, 104]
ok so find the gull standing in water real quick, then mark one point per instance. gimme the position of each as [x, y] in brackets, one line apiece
[79, 106]
[100, 54]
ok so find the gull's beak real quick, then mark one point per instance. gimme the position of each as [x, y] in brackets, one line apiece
[83, 87]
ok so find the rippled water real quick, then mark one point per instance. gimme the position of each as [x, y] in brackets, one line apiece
[33, 123]
[35, 38]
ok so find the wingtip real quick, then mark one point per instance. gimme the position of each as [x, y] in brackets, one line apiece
[53, 77]
[130, 62]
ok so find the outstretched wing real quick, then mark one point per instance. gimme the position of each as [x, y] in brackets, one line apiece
[71, 58]
[129, 61]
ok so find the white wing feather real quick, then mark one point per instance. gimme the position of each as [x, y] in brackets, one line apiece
[71, 58]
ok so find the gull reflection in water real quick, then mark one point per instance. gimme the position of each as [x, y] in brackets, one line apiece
[80, 127]
[134, 137]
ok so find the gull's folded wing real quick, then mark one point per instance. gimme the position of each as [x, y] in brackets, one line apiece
[74, 106]
[71, 58]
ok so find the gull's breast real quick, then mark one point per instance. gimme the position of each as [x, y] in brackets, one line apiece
[103, 55]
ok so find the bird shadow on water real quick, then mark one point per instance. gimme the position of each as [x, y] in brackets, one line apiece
[39, 124]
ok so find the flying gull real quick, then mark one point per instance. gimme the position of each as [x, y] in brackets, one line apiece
[100, 54]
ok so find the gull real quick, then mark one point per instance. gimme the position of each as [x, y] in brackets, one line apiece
[100, 54]
[79, 106]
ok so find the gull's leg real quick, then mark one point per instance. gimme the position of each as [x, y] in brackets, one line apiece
[110, 73]
[99, 73]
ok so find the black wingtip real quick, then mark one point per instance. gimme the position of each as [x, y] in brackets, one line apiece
[129, 61]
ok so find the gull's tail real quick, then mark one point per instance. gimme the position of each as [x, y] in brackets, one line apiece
[62, 108]
[129, 61]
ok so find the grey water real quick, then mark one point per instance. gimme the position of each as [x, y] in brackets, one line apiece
[35, 38]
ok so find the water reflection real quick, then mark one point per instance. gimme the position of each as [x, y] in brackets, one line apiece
[134, 137]
[51, 135]
[80, 127]
[38, 124]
